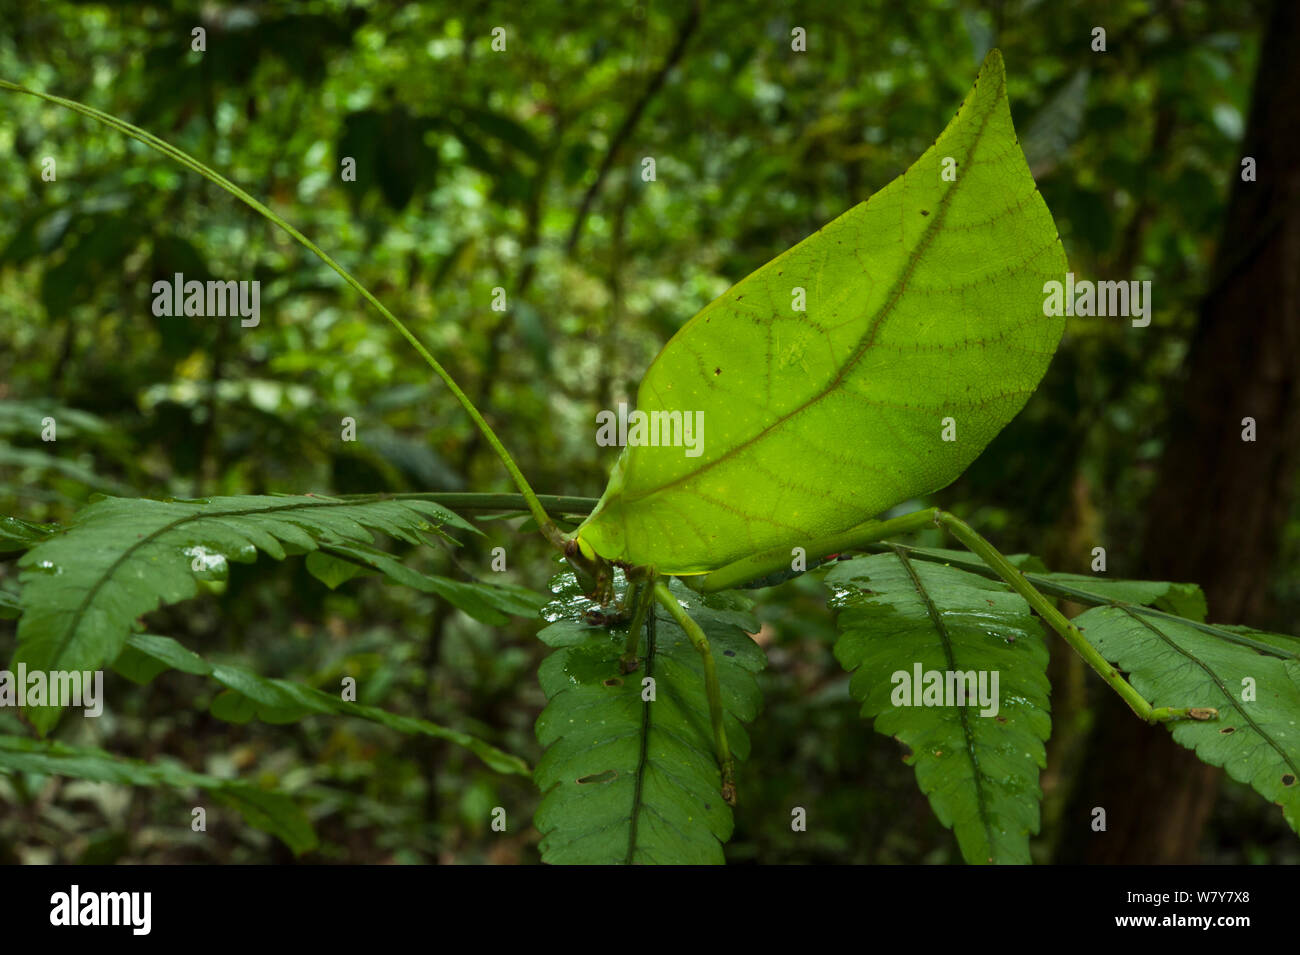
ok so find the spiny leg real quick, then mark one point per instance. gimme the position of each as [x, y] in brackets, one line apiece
[1065, 627]
[712, 688]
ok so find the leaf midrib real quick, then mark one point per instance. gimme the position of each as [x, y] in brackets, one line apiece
[1219, 684]
[643, 757]
[941, 628]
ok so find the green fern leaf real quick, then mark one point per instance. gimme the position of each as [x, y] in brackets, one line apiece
[631, 781]
[1256, 690]
[269, 811]
[16, 534]
[492, 604]
[980, 773]
[1183, 600]
[249, 695]
[1179, 599]
[119, 558]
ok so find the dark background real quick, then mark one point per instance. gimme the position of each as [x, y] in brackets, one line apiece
[521, 170]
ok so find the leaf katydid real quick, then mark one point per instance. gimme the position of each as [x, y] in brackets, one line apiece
[922, 304]
[805, 453]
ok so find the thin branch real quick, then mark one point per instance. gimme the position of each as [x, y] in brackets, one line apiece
[684, 34]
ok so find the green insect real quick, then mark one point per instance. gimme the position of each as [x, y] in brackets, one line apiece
[923, 334]
[865, 367]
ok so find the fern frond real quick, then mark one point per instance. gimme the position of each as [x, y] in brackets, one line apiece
[83, 588]
[1256, 737]
[980, 772]
[628, 777]
[264, 809]
[249, 695]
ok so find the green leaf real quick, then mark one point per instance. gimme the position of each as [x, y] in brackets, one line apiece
[980, 772]
[488, 603]
[269, 811]
[629, 781]
[1056, 125]
[9, 606]
[251, 696]
[1179, 599]
[1175, 663]
[1184, 600]
[923, 303]
[119, 558]
[1027, 563]
[27, 419]
[16, 534]
[330, 571]
[166, 652]
[390, 152]
[45, 462]
[503, 128]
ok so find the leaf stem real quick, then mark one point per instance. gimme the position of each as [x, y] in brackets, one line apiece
[544, 522]
[1054, 588]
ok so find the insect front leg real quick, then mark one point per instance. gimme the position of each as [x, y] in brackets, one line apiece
[641, 595]
[595, 574]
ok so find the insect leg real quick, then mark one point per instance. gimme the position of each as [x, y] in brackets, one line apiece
[767, 562]
[712, 688]
[641, 596]
[1062, 625]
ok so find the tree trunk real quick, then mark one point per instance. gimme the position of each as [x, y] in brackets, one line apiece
[1221, 502]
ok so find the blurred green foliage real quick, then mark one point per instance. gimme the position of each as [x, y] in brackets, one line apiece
[472, 166]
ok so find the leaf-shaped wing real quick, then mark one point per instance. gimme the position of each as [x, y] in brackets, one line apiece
[921, 304]
[980, 772]
[628, 779]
